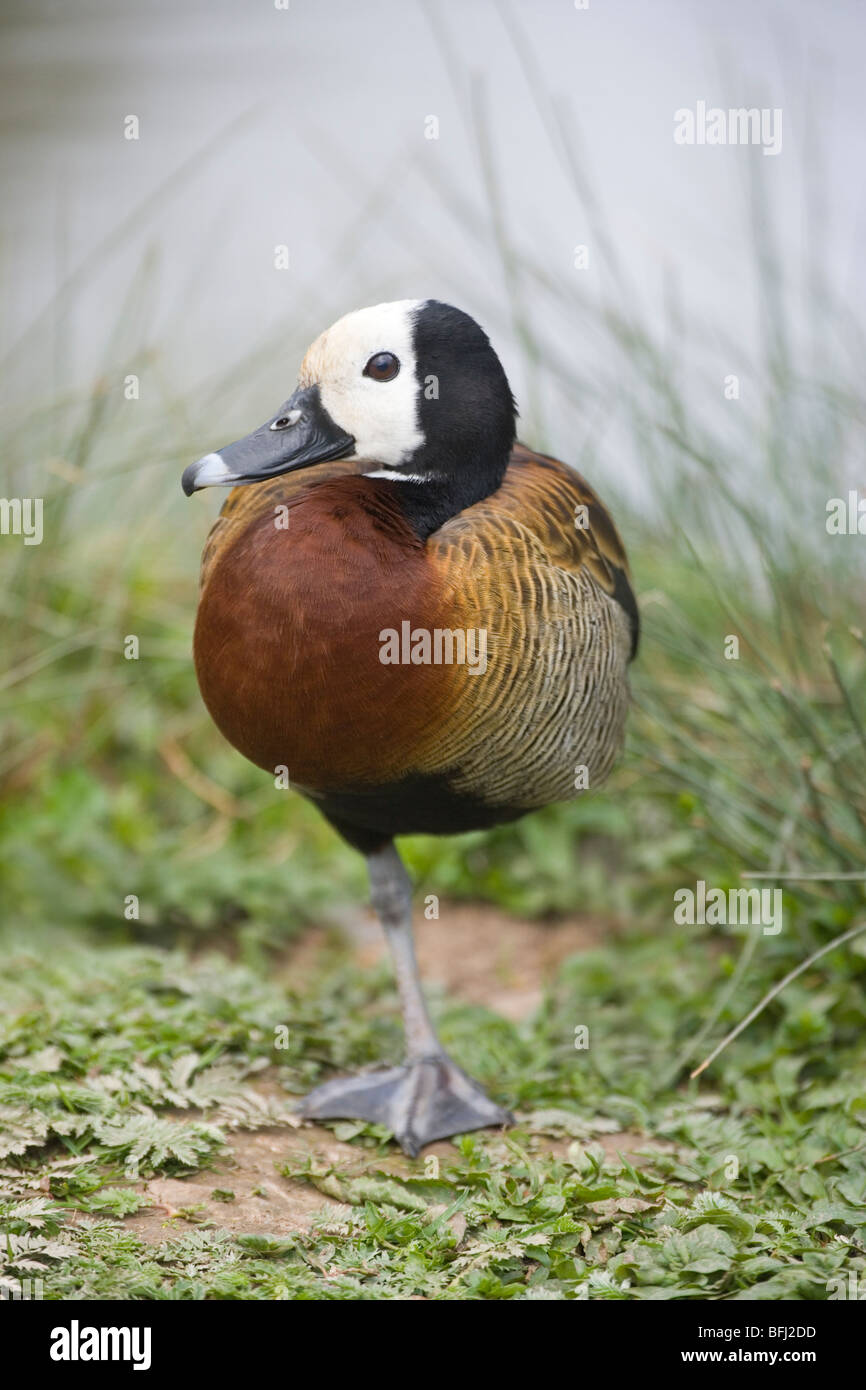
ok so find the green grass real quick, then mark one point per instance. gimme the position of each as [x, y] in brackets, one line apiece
[128, 1062]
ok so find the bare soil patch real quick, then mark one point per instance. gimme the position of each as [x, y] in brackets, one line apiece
[472, 951]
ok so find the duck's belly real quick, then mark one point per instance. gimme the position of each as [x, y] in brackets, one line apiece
[362, 688]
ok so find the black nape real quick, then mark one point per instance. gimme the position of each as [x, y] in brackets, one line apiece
[428, 504]
[466, 414]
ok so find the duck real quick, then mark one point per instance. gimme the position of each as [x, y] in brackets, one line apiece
[423, 624]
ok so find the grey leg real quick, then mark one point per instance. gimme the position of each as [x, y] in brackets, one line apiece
[391, 896]
[429, 1097]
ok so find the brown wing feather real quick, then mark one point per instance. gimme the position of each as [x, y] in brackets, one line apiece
[545, 495]
[557, 606]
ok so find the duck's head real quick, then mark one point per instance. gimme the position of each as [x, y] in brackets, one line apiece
[412, 388]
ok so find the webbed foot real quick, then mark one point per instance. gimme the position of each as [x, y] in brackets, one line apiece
[427, 1099]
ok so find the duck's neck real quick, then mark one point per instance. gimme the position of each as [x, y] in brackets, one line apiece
[428, 501]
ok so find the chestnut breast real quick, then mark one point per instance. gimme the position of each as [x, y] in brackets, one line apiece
[287, 638]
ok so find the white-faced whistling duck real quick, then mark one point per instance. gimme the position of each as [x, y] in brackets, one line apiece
[427, 624]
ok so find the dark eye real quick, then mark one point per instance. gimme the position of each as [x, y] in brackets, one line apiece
[384, 366]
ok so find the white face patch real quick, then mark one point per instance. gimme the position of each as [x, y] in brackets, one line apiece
[381, 416]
